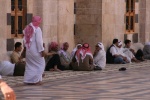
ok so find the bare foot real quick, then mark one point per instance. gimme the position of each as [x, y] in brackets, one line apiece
[57, 70]
[51, 69]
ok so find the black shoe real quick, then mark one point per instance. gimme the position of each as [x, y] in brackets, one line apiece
[122, 69]
[97, 68]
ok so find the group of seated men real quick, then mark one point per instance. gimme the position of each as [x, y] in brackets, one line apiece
[122, 55]
[81, 58]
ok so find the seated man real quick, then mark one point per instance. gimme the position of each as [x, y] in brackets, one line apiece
[78, 46]
[113, 56]
[53, 59]
[83, 59]
[129, 52]
[99, 57]
[121, 52]
[135, 56]
[16, 56]
[7, 91]
[146, 50]
[9, 69]
[65, 56]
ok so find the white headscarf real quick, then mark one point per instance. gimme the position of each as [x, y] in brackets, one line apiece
[74, 50]
[101, 45]
[120, 43]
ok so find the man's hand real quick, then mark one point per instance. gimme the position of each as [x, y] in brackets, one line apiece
[125, 58]
[95, 52]
[7, 92]
[132, 51]
[43, 54]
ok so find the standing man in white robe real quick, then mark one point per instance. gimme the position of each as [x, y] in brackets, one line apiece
[35, 63]
[99, 57]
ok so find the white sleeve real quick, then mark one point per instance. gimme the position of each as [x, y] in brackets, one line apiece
[102, 61]
[39, 40]
[113, 51]
[0, 77]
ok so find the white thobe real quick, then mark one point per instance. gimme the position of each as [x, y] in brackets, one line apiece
[121, 52]
[6, 68]
[100, 59]
[128, 53]
[35, 63]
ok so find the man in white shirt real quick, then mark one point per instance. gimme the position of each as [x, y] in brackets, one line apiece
[113, 55]
[9, 69]
[121, 52]
[128, 53]
[99, 57]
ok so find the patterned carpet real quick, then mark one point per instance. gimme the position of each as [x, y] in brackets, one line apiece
[109, 84]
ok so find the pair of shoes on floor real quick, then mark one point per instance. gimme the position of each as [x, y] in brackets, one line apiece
[122, 69]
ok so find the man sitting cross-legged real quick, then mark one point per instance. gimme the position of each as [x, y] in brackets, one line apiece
[113, 55]
[128, 52]
[53, 59]
[99, 57]
[135, 56]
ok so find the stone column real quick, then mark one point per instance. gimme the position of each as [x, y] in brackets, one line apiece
[49, 21]
[147, 24]
[142, 20]
[66, 22]
[88, 25]
[113, 24]
[3, 29]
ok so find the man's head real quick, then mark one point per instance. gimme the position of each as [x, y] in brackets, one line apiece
[119, 44]
[36, 20]
[53, 46]
[18, 46]
[65, 46]
[127, 43]
[99, 46]
[79, 46]
[115, 42]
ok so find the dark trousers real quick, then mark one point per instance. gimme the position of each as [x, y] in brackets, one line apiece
[54, 61]
[139, 54]
[19, 69]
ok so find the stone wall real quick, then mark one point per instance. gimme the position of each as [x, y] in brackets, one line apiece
[3, 29]
[88, 25]
[57, 22]
[113, 25]
[147, 26]
[144, 20]
[99, 21]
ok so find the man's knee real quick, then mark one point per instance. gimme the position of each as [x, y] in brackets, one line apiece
[118, 60]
